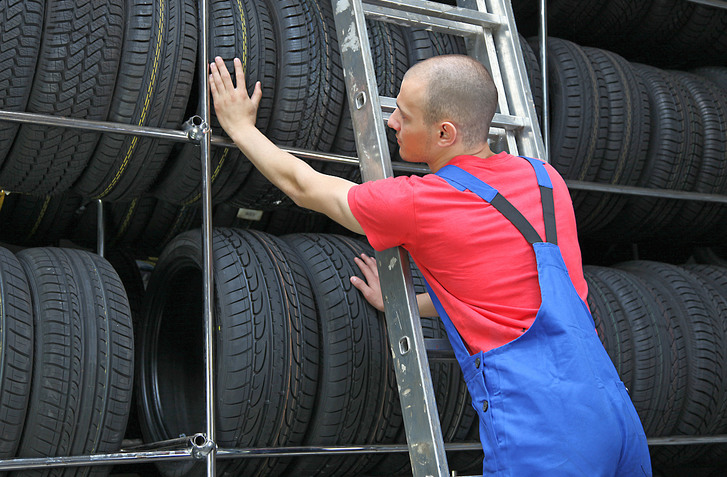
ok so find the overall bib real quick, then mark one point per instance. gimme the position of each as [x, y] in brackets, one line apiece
[550, 403]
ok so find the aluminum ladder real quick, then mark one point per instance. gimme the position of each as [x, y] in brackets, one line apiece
[488, 27]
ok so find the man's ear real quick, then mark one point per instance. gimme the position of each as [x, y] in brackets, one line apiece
[447, 134]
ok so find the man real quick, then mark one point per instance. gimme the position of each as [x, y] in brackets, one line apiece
[548, 398]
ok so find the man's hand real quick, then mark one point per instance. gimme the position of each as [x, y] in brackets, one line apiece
[235, 110]
[370, 288]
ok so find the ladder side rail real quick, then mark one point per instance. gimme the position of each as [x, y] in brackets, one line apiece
[517, 88]
[416, 393]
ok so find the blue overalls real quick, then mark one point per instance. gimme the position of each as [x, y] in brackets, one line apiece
[550, 403]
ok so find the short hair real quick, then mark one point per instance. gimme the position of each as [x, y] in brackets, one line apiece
[460, 90]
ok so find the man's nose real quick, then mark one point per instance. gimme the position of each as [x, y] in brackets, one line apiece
[392, 122]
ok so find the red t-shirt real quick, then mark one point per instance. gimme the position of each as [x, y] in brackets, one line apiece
[478, 264]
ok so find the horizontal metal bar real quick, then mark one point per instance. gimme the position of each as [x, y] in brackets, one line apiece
[93, 460]
[330, 450]
[186, 454]
[505, 121]
[414, 168]
[169, 444]
[424, 10]
[101, 126]
[712, 3]
[439, 349]
[643, 191]
[686, 440]
[406, 19]
[390, 103]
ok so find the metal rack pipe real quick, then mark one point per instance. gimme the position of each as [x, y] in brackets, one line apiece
[209, 450]
[100, 126]
[543, 40]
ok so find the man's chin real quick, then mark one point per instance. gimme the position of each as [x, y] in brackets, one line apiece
[406, 158]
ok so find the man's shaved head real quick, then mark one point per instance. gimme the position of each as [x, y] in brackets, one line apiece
[459, 90]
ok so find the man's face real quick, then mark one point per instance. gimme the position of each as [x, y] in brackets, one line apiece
[414, 135]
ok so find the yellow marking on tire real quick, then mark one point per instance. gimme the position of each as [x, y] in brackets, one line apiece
[147, 101]
[43, 210]
[212, 179]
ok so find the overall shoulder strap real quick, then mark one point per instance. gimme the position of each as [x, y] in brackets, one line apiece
[461, 180]
[546, 198]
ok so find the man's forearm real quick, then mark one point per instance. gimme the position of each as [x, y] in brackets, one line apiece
[281, 168]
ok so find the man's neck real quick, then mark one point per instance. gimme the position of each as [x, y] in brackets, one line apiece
[482, 151]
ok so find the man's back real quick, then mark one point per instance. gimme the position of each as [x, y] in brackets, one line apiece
[479, 265]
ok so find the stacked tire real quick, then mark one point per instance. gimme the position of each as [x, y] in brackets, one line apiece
[664, 328]
[142, 55]
[301, 358]
[629, 124]
[66, 356]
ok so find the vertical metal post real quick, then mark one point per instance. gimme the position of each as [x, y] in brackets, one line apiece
[419, 408]
[100, 238]
[205, 152]
[543, 37]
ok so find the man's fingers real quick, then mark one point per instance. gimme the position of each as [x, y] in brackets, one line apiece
[239, 74]
[368, 268]
[213, 86]
[225, 77]
[257, 95]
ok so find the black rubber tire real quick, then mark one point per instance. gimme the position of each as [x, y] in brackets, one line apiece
[265, 344]
[240, 29]
[166, 222]
[697, 42]
[714, 281]
[673, 157]
[309, 104]
[21, 26]
[649, 374]
[572, 19]
[606, 29]
[326, 89]
[622, 150]
[612, 323]
[716, 74]
[697, 219]
[83, 364]
[457, 417]
[702, 342]
[16, 351]
[130, 275]
[124, 222]
[152, 89]
[575, 97]
[649, 34]
[74, 77]
[535, 75]
[37, 221]
[354, 393]
[145, 225]
[423, 44]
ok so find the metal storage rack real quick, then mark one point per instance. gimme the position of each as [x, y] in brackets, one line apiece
[201, 446]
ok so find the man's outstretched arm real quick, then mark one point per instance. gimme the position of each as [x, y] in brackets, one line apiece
[308, 188]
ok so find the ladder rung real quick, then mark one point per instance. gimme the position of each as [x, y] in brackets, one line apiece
[439, 349]
[442, 25]
[712, 3]
[504, 121]
[417, 12]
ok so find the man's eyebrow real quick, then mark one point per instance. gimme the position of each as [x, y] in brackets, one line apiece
[398, 106]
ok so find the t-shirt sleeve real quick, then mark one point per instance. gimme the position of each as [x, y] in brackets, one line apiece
[385, 210]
